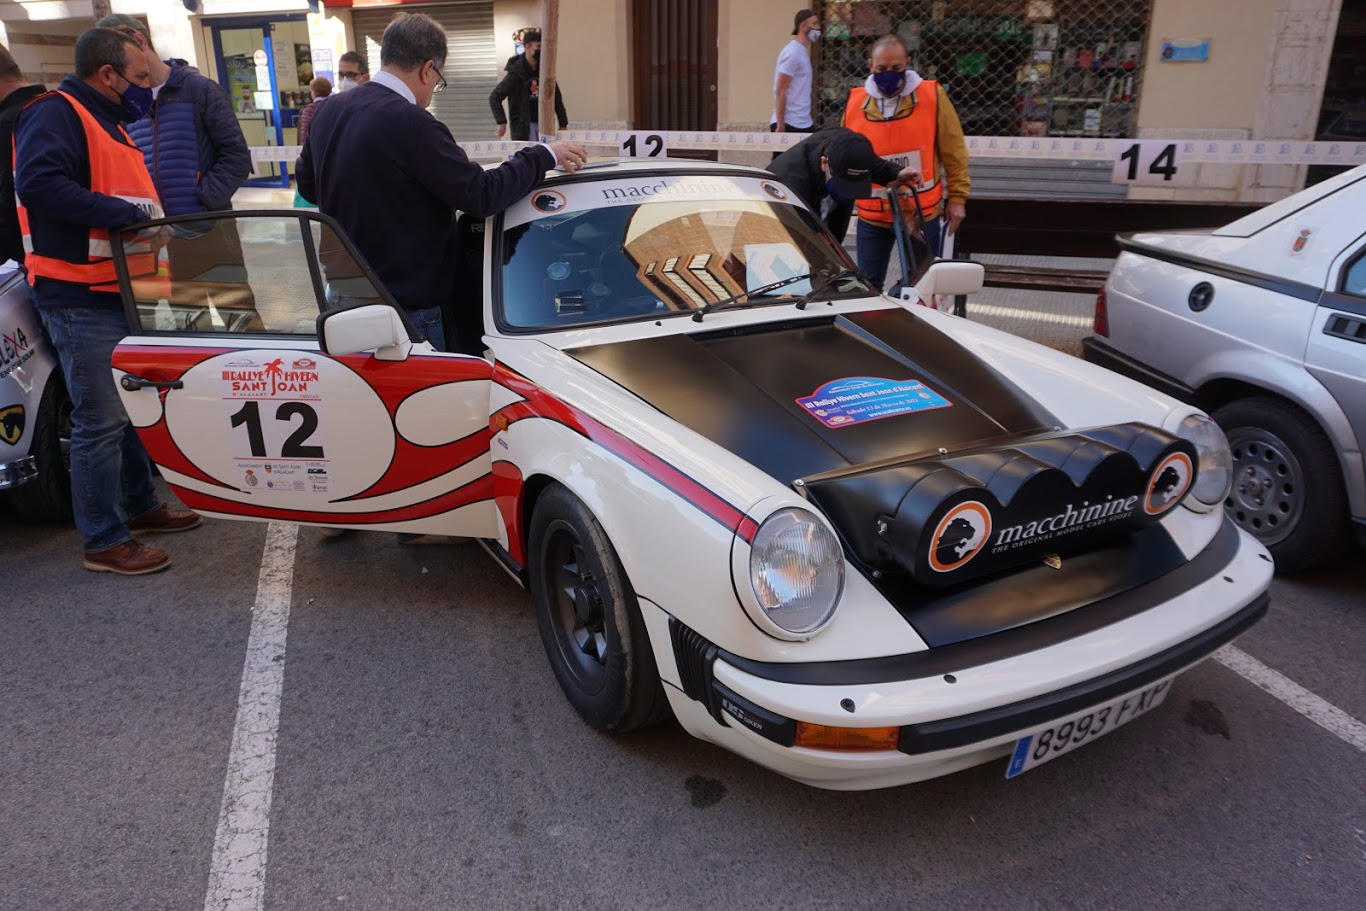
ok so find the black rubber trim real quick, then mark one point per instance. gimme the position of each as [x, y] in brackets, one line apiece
[1094, 351]
[768, 724]
[1335, 300]
[949, 733]
[948, 659]
[1297, 290]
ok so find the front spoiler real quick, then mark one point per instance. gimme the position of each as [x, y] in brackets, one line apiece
[20, 471]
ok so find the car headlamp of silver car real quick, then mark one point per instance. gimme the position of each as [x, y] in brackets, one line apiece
[1214, 471]
[796, 569]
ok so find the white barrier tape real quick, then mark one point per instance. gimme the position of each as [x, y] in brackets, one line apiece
[1192, 151]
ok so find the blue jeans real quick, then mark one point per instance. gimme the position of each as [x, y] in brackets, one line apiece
[875, 246]
[428, 322]
[111, 475]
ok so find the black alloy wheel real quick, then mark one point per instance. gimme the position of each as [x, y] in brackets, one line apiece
[47, 498]
[589, 619]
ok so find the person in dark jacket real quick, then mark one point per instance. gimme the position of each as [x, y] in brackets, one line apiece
[69, 207]
[14, 94]
[389, 172]
[832, 168]
[521, 89]
[193, 143]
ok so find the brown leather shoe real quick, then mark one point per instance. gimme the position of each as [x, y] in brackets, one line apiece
[131, 558]
[164, 520]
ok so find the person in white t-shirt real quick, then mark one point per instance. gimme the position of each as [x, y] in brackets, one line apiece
[792, 78]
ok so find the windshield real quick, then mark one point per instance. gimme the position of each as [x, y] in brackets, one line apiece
[647, 247]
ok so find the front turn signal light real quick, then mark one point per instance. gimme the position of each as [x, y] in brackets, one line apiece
[849, 740]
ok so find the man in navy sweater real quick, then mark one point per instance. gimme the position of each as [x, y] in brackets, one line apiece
[393, 177]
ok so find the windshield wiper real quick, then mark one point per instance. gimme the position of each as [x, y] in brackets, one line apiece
[757, 292]
[844, 273]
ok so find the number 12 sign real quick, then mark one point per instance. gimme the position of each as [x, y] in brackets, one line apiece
[1147, 161]
[643, 145]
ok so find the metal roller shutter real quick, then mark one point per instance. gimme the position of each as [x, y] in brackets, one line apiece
[472, 64]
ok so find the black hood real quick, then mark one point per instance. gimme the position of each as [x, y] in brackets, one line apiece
[759, 391]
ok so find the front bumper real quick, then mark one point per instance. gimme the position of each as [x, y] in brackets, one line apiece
[952, 711]
[20, 471]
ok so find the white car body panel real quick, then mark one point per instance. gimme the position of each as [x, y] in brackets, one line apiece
[27, 363]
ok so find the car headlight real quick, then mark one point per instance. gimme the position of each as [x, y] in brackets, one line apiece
[1214, 469]
[796, 569]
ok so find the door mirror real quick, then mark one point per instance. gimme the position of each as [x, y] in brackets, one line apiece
[948, 277]
[369, 327]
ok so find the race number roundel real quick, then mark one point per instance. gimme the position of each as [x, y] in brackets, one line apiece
[271, 424]
[959, 536]
[1168, 483]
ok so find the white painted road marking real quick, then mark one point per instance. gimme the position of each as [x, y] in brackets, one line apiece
[1326, 715]
[237, 869]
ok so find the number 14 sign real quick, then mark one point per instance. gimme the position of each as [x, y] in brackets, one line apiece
[1147, 161]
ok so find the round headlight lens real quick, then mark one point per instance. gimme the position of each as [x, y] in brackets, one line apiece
[796, 569]
[1214, 470]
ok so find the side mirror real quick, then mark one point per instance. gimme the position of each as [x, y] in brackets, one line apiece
[372, 327]
[947, 277]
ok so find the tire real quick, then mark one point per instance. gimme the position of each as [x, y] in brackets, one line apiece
[47, 498]
[1287, 486]
[589, 619]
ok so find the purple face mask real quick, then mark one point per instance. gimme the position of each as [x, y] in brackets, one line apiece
[889, 83]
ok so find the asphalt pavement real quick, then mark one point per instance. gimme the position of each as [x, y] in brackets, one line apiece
[424, 758]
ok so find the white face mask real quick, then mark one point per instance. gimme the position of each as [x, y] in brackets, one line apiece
[813, 34]
[345, 83]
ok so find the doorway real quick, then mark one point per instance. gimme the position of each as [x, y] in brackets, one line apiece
[675, 66]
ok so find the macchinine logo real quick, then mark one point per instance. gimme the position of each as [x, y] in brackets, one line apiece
[960, 536]
[772, 189]
[1170, 481]
[548, 201]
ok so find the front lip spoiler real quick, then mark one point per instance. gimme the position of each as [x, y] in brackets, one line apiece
[948, 733]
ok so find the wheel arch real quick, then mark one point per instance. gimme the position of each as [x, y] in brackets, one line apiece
[1298, 389]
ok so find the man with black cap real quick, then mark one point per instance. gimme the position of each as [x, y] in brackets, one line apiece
[831, 169]
[792, 78]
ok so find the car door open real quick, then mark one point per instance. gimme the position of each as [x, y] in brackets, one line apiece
[248, 415]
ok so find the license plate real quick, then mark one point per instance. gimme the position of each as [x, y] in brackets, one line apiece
[1065, 736]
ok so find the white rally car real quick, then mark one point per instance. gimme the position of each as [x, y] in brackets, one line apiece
[859, 543]
[1263, 323]
[35, 411]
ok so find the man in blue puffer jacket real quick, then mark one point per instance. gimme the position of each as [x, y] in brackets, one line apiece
[193, 145]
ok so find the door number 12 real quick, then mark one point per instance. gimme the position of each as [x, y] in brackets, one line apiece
[249, 415]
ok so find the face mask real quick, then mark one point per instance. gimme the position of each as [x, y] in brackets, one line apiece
[889, 83]
[834, 194]
[137, 101]
[813, 34]
[345, 83]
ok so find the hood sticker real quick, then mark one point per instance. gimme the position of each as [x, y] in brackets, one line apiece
[12, 424]
[857, 399]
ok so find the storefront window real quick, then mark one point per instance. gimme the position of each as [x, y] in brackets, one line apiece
[1011, 67]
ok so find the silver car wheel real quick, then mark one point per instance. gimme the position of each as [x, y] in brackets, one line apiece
[1267, 499]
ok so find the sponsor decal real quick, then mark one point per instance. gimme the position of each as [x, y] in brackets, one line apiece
[14, 351]
[1169, 483]
[12, 423]
[960, 536]
[548, 201]
[856, 399]
[250, 478]
[772, 189]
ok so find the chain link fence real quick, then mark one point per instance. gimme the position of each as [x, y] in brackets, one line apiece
[1011, 67]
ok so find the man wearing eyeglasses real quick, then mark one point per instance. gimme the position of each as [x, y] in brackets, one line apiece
[393, 177]
[353, 71]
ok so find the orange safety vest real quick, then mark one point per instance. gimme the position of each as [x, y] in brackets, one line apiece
[896, 139]
[116, 169]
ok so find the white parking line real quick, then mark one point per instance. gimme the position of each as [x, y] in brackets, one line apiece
[1323, 713]
[237, 869]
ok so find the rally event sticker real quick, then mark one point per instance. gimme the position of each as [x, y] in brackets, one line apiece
[857, 399]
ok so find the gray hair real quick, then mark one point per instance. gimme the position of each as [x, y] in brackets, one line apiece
[410, 40]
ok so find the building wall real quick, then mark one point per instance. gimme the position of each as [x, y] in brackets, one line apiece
[1264, 80]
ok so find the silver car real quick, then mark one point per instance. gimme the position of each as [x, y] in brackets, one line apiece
[1263, 324]
[35, 413]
